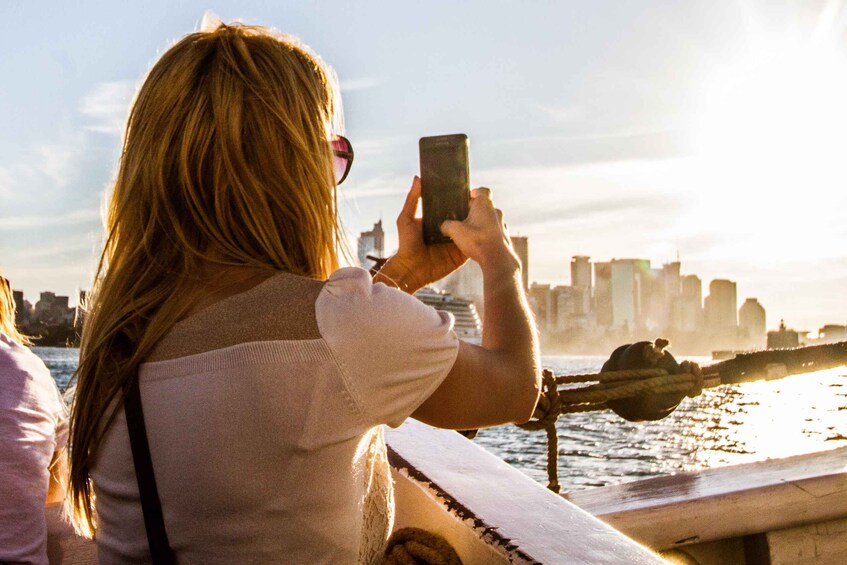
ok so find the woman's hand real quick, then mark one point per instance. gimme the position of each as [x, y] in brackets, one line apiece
[483, 236]
[416, 264]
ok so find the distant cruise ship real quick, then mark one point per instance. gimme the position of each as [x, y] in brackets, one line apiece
[467, 324]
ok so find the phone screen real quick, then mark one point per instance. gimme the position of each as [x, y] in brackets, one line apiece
[445, 183]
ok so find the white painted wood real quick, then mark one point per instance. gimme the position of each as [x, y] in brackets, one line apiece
[817, 544]
[539, 525]
[725, 502]
[417, 505]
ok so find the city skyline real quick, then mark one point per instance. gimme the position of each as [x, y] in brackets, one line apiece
[709, 133]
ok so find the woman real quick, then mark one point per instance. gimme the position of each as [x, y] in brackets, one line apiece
[265, 371]
[33, 433]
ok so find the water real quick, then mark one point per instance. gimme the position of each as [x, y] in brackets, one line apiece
[723, 426]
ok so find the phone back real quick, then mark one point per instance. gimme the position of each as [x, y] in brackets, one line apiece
[445, 183]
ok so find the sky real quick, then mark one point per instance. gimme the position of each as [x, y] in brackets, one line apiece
[710, 131]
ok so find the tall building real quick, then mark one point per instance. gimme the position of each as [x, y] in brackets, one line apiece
[623, 293]
[542, 302]
[570, 307]
[52, 309]
[581, 271]
[669, 295]
[752, 317]
[633, 285]
[21, 307]
[371, 243]
[690, 313]
[721, 305]
[603, 294]
[521, 246]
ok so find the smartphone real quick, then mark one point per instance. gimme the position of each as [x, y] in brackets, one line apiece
[445, 183]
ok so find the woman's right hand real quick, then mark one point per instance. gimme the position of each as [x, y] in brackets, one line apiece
[483, 236]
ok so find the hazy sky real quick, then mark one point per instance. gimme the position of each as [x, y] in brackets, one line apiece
[713, 130]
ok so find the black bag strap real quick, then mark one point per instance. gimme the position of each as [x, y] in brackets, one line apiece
[154, 522]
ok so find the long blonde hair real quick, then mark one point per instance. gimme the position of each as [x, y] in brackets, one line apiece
[7, 314]
[226, 160]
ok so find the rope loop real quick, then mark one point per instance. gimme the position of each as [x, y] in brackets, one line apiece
[549, 405]
[414, 545]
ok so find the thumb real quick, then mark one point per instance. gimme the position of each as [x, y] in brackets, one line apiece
[450, 228]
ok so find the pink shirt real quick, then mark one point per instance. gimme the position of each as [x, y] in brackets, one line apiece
[33, 426]
[264, 415]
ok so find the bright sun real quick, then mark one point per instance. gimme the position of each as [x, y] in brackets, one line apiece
[772, 141]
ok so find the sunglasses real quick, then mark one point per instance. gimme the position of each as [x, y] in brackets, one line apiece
[342, 151]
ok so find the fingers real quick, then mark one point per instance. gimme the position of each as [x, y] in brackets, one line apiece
[481, 192]
[411, 204]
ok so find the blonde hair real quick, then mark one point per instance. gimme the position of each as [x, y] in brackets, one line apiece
[226, 160]
[7, 313]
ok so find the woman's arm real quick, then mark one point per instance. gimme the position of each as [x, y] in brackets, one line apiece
[499, 381]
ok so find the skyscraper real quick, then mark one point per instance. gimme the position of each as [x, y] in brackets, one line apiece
[371, 243]
[633, 285]
[752, 320]
[721, 305]
[603, 294]
[21, 307]
[521, 246]
[691, 304]
[581, 271]
[623, 293]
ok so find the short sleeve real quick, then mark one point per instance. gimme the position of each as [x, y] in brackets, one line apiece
[393, 350]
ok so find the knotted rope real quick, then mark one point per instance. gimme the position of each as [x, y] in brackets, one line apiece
[611, 385]
[593, 391]
[546, 414]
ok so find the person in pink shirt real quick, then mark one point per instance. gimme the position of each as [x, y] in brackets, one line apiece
[33, 435]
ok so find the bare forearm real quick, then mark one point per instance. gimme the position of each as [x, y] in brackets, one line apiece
[509, 329]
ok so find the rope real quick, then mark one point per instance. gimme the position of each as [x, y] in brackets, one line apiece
[546, 413]
[414, 545]
[615, 385]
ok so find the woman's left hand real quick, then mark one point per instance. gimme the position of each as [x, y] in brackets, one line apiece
[416, 264]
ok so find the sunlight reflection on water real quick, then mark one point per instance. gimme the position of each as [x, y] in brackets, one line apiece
[724, 426]
[727, 425]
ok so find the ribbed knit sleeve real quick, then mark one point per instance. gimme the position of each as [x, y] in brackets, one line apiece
[393, 350]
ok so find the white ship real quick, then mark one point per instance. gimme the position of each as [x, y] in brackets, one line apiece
[467, 323]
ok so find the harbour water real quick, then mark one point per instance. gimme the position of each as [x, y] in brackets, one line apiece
[724, 426]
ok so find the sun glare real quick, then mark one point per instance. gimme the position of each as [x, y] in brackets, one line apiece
[783, 109]
[771, 135]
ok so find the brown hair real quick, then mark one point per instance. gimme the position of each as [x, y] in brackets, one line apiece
[225, 161]
[7, 313]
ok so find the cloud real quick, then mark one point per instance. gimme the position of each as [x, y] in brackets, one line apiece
[361, 83]
[107, 106]
[73, 218]
[58, 162]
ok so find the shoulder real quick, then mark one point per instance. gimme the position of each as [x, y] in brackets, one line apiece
[18, 362]
[24, 378]
[351, 292]
[349, 281]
